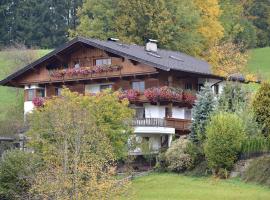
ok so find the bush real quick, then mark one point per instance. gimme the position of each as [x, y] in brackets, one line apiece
[258, 171]
[201, 169]
[17, 170]
[224, 133]
[178, 157]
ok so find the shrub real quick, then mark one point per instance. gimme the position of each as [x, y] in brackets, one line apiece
[225, 133]
[258, 171]
[255, 145]
[201, 169]
[177, 156]
[17, 170]
[261, 107]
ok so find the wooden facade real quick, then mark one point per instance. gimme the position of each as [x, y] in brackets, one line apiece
[129, 71]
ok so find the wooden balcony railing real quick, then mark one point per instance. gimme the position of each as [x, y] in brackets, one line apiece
[149, 122]
[178, 124]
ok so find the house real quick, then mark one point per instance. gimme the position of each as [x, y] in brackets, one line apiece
[160, 84]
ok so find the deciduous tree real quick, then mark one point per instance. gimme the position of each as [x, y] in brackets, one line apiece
[77, 153]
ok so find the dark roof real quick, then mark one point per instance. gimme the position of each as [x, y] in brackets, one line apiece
[163, 59]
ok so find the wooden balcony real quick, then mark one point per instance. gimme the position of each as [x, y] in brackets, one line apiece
[178, 124]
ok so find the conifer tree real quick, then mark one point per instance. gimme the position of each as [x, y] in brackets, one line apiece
[201, 111]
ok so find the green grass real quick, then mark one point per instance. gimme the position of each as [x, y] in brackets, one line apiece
[7, 66]
[168, 186]
[259, 62]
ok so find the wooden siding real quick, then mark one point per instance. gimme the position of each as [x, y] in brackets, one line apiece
[86, 57]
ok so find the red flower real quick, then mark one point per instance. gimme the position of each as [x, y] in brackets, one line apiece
[189, 98]
[131, 95]
[164, 93]
[38, 101]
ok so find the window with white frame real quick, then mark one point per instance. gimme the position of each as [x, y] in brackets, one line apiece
[106, 86]
[103, 61]
[138, 85]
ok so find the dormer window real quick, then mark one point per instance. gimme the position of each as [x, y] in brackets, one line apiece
[103, 61]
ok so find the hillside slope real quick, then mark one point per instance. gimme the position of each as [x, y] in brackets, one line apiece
[8, 95]
[259, 62]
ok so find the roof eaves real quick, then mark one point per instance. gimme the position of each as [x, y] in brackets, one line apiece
[40, 60]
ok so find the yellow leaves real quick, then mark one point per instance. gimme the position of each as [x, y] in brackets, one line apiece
[210, 27]
[227, 59]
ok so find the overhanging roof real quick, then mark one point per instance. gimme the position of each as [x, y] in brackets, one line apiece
[163, 59]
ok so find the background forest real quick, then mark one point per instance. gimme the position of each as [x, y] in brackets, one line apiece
[47, 24]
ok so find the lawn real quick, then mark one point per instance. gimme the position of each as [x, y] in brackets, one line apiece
[167, 186]
[259, 62]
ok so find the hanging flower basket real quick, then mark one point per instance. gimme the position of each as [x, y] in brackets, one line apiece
[164, 93]
[189, 98]
[60, 73]
[131, 95]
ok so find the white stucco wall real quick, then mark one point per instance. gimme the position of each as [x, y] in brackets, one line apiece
[28, 107]
[154, 111]
[178, 113]
[212, 81]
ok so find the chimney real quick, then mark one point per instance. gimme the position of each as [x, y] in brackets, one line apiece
[151, 45]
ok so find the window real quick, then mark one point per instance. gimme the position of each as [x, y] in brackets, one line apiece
[188, 86]
[187, 113]
[58, 91]
[200, 86]
[40, 92]
[104, 87]
[216, 89]
[31, 94]
[103, 61]
[168, 112]
[139, 112]
[77, 64]
[138, 85]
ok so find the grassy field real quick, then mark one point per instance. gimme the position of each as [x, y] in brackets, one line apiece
[178, 187]
[7, 65]
[259, 62]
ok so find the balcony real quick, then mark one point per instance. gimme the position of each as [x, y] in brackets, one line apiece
[178, 124]
[85, 72]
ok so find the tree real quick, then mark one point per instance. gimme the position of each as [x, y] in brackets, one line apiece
[36, 22]
[78, 156]
[171, 22]
[17, 172]
[111, 117]
[224, 136]
[261, 108]
[204, 106]
[227, 59]
[260, 12]
[210, 26]
[234, 98]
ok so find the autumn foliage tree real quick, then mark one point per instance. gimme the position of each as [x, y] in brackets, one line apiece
[78, 152]
[227, 59]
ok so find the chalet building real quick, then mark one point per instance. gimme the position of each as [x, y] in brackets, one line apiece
[160, 84]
